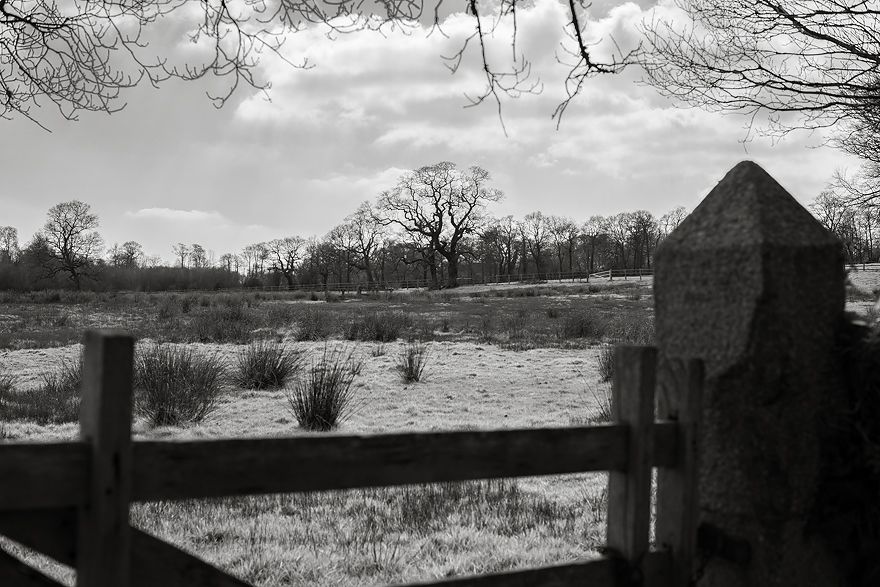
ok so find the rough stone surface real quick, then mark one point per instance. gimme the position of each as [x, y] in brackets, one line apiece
[754, 285]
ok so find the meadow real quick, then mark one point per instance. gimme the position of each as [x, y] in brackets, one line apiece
[514, 357]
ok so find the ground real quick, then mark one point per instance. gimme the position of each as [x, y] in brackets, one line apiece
[523, 357]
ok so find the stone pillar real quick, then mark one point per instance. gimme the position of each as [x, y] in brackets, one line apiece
[752, 284]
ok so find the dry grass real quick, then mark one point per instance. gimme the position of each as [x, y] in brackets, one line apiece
[412, 361]
[322, 396]
[175, 385]
[265, 365]
[517, 316]
[366, 537]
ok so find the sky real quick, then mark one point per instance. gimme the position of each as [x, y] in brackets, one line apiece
[172, 168]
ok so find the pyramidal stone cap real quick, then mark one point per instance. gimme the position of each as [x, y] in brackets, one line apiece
[748, 208]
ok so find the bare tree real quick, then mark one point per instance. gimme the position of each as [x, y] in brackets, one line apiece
[198, 257]
[816, 58]
[71, 238]
[438, 206]
[181, 251]
[82, 56]
[502, 239]
[284, 254]
[563, 235]
[129, 254]
[361, 235]
[230, 262]
[8, 244]
[535, 233]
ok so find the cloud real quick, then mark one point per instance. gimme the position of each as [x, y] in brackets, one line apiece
[173, 215]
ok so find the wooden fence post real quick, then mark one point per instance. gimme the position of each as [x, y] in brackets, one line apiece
[103, 552]
[629, 492]
[679, 398]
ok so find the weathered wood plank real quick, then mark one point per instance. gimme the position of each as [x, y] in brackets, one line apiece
[153, 561]
[177, 470]
[629, 491]
[51, 532]
[54, 475]
[679, 399]
[156, 562]
[16, 573]
[42, 475]
[596, 573]
[104, 540]
[602, 572]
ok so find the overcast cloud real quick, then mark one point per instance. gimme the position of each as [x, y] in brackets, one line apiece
[170, 168]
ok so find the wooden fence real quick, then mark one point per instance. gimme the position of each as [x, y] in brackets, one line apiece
[71, 500]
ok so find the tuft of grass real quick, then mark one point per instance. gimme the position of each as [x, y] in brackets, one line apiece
[412, 361]
[602, 412]
[582, 324]
[265, 364]
[222, 324]
[322, 396]
[606, 363]
[54, 401]
[314, 325]
[7, 386]
[379, 350]
[377, 326]
[176, 386]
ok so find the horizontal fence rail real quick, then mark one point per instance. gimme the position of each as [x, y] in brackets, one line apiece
[286, 465]
[71, 500]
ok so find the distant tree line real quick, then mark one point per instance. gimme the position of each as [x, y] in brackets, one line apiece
[854, 221]
[433, 228]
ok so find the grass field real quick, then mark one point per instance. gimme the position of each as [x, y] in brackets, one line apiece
[518, 357]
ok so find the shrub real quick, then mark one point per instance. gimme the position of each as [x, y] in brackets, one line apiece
[322, 395]
[602, 412]
[314, 325]
[582, 324]
[412, 361]
[222, 324]
[606, 363]
[7, 385]
[377, 326]
[175, 386]
[55, 401]
[266, 365]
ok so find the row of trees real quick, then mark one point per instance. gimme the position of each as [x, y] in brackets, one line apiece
[433, 226]
[855, 222]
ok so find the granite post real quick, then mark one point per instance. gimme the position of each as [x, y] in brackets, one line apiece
[753, 285]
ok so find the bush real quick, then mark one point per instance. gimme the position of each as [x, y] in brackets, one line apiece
[222, 324]
[582, 324]
[322, 396]
[602, 412]
[175, 386]
[266, 365]
[55, 401]
[7, 385]
[606, 363]
[412, 361]
[314, 325]
[377, 326]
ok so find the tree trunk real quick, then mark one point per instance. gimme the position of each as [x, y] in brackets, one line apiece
[452, 271]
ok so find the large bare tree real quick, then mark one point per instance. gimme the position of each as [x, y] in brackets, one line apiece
[83, 55]
[815, 58]
[71, 237]
[285, 255]
[438, 206]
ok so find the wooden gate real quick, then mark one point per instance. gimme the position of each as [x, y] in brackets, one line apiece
[70, 500]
